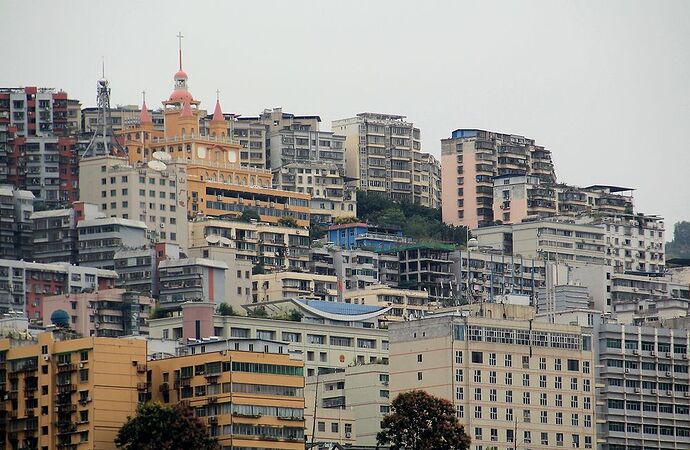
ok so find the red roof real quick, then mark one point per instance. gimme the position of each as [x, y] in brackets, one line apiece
[144, 115]
[218, 113]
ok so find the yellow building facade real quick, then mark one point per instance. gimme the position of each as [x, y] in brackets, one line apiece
[69, 394]
[218, 184]
[248, 399]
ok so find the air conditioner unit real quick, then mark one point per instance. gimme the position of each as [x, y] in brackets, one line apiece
[653, 391]
[685, 356]
[81, 365]
[46, 357]
[636, 352]
[348, 435]
[668, 374]
[668, 354]
[652, 353]
[627, 370]
[687, 394]
[637, 390]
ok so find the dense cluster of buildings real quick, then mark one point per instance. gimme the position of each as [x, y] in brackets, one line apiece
[170, 255]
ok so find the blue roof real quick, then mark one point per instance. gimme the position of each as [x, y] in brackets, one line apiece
[346, 309]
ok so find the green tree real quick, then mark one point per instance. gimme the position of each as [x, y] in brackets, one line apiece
[226, 310]
[259, 311]
[157, 313]
[158, 427]
[250, 214]
[419, 421]
[679, 247]
[295, 316]
[258, 269]
[288, 222]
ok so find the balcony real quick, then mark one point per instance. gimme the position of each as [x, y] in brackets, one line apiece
[66, 389]
[66, 367]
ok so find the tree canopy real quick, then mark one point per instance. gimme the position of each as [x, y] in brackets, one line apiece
[164, 427]
[418, 222]
[250, 214]
[419, 421]
[226, 310]
[679, 247]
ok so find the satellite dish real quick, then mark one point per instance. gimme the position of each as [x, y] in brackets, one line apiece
[212, 239]
[162, 156]
[225, 241]
[156, 165]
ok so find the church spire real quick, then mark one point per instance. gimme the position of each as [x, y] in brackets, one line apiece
[218, 112]
[144, 115]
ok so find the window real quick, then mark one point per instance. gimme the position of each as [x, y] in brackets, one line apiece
[321, 426]
[557, 364]
[542, 364]
[575, 420]
[542, 381]
[493, 396]
[478, 394]
[494, 434]
[492, 359]
[573, 384]
[509, 396]
[559, 400]
[477, 412]
[477, 376]
[558, 383]
[544, 417]
[492, 377]
[525, 379]
[419, 358]
[509, 416]
[459, 393]
[334, 427]
[478, 434]
[526, 398]
[543, 399]
[459, 377]
[477, 357]
[508, 361]
[458, 357]
[509, 378]
[559, 418]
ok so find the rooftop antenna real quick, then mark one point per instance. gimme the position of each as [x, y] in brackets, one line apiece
[103, 141]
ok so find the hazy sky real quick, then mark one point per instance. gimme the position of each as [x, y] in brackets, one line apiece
[605, 85]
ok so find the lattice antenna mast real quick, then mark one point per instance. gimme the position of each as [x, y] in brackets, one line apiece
[104, 137]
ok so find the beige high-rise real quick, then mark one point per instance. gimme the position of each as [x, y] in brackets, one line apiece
[512, 380]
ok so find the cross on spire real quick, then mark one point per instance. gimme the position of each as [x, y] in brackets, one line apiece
[179, 39]
[217, 94]
[143, 94]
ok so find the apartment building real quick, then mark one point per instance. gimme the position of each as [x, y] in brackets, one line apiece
[292, 138]
[513, 381]
[192, 279]
[238, 282]
[271, 245]
[471, 159]
[121, 117]
[156, 196]
[426, 267]
[104, 313]
[332, 194]
[248, 392]
[383, 152]
[552, 240]
[350, 403]
[357, 268]
[404, 303]
[488, 276]
[253, 138]
[634, 243]
[72, 394]
[99, 239]
[643, 374]
[427, 180]
[25, 285]
[330, 335]
[16, 208]
[55, 237]
[363, 235]
[40, 151]
[523, 197]
[286, 285]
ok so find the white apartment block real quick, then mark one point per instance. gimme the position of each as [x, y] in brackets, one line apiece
[351, 404]
[513, 381]
[287, 285]
[383, 152]
[275, 247]
[156, 197]
[332, 194]
[644, 395]
[551, 240]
